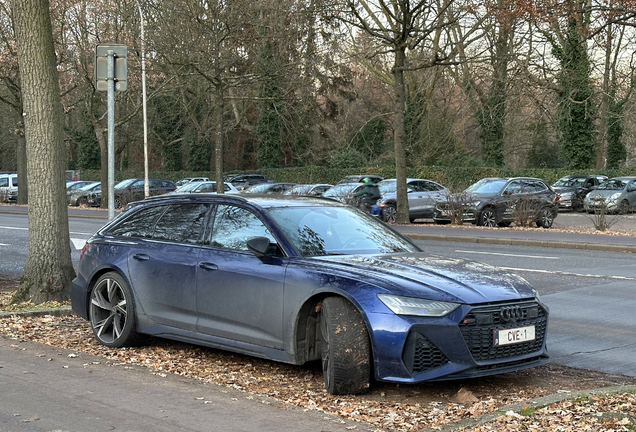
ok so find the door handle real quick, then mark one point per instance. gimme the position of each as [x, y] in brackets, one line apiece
[141, 257]
[208, 266]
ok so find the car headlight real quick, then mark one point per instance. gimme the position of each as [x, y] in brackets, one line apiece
[615, 196]
[474, 204]
[417, 306]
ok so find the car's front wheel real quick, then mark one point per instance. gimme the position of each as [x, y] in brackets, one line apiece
[112, 312]
[546, 218]
[346, 350]
[389, 213]
[487, 218]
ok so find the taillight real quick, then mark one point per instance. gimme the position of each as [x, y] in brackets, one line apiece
[84, 249]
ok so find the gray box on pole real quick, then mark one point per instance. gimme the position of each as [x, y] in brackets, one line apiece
[121, 66]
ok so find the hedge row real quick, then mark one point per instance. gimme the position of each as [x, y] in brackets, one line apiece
[452, 177]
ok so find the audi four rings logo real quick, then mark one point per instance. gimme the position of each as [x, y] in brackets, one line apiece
[508, 313]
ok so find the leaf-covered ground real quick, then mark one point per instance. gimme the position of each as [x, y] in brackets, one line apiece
[388, 407]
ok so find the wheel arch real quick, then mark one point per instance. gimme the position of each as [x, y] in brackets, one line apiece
[306, 335]
[95, 277]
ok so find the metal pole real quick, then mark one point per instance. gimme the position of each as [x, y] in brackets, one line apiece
[111, 134]
[143, 89]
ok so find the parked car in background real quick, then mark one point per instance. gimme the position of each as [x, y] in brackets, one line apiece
[572, 189]
[205, 187]
[615, 195]
[81, 196]
[308, 189]
[9, 188]
[357, 178]
[191, 180]
[133, 190]
[343, 192]
[243, 181]
[500, 201]
[267, 188]
[74, 185]
[422, 195]
[299, 279]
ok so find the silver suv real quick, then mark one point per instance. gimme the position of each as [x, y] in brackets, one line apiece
[9, 188]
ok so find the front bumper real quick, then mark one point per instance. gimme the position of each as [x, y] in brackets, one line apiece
[460, 345]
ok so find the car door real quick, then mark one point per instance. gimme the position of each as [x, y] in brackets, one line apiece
[239, 296]
[162, 265]
[631, 193]
[510, 200]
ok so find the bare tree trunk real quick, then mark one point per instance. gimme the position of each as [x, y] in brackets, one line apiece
[23, 185]
[218, 153]
[399, 137]
[48, 271]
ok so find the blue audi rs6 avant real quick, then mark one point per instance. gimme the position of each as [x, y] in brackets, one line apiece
[298, 279]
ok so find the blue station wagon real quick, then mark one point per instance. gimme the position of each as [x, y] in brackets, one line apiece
[299, 279]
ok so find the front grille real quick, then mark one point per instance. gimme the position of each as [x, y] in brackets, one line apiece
[420, 355]
[478, 327]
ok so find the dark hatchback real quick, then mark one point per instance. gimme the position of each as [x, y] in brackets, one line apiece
[573, 189]
[299, 279]
[133, 189]
[501, 201]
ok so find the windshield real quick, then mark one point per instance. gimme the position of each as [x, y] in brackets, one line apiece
[569, 181]
[258, 189]
[337, 231]
[487, 186]
[125, 183]
[613, 184]
[340, 190]
[188, 187]
[90, 186]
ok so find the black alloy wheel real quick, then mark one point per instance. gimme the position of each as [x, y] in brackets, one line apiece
[488, 217]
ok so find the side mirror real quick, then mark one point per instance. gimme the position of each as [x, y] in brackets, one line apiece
[507, 193]
[259, 246]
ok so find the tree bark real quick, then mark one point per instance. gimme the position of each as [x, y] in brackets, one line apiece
[399, 136]
[23, 185]
[48, 271]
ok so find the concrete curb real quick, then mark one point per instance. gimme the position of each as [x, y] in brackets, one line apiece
[31, 313]
[525, 242]
[531, 403]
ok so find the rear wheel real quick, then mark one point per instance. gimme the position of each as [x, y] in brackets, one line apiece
[623, 207]
[82, 201]
[112, 312]
[487, 218]
[346, 350]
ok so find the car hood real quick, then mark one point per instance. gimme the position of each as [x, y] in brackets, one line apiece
[431, 276]
[604, 192]
[562, 189]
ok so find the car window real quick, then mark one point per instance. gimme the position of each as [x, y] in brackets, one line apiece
[534, 186]
[140, 224]
[182, 223]
[4, 182]
[233, 226]
[514, 187]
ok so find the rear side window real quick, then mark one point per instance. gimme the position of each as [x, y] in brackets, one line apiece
[4, 182]
[182, 223]
[139, 225]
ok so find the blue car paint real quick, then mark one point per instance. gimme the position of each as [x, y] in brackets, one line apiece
[359, 278]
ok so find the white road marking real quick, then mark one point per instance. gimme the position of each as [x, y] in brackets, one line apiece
[3, 244]
[78, 243]
[562, 273]
[14, 228]
[510, 255]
